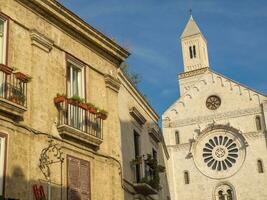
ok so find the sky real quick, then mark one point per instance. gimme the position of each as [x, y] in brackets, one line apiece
[150, 29]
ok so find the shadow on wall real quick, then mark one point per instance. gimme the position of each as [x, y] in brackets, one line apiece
[17, 187]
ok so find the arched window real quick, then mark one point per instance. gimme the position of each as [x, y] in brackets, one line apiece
[194, 51]
[177, 137]
[258, 123]
[191, 52]
[260, 166]
[186, 177]
[224, 192]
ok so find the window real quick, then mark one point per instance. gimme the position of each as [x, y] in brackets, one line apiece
[177, 137]
[75, 88]
[191, 52]
[137, 154]
[155, 154]
[224, 192]
[260, 166]
[78, 179]
[258, 123]
[186, 177]
[3, 34]
[194, 51]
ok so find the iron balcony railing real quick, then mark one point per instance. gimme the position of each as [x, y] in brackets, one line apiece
[71, 114]
[13, 89]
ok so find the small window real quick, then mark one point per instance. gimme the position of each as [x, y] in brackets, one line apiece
[258, 123]
[194, 51]
[137, 154]
[186, 177]
[191, 52]
[260, 166]
[177, 137]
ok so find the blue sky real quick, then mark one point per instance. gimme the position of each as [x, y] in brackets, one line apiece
[236, 32]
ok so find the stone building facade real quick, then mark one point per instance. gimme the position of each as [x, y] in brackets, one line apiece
[142, 144]
[215, 132]
[62, 142]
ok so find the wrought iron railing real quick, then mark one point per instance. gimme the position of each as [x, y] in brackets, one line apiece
[73, 115]
[13, 89]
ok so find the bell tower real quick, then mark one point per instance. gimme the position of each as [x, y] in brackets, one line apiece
[194, 47]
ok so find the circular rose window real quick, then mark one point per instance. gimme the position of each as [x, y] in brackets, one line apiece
[219, 152]
[213, 102]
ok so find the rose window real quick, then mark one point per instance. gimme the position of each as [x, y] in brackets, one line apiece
[220, 153]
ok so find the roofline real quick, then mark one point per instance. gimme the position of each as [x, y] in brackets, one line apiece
[243, 85]
[59, 12]
[125, 79]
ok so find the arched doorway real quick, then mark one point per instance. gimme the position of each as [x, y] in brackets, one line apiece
[224, 192]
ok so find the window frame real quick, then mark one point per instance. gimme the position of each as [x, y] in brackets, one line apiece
[258, 123]
[5, 18]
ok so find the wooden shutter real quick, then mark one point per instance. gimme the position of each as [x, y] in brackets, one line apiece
[78, 179]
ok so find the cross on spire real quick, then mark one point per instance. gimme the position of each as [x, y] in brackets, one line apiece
[190, 11]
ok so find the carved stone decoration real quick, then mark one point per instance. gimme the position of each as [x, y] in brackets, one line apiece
[112, 83]
[220, 151]
[137, 116]
[218, 115]
[41, 41]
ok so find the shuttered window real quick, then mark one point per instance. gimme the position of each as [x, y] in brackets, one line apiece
[78, 179]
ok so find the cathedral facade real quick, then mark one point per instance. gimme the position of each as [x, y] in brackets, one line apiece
[215, 132]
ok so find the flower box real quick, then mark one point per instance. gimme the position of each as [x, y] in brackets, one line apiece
[102, 116]
[83, 106]
[5, 69]
[23, 77]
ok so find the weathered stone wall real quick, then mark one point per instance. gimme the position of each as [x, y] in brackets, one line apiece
[48, 70]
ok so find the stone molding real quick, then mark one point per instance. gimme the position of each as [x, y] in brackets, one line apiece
[41, 41]
[137, 116]
[112, 83]
[193, 73]
[206, 118]
[13, 111]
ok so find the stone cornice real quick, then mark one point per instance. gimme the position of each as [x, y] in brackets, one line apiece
[112, 83]
[71, 23]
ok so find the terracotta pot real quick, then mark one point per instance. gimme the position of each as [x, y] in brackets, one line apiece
[83, 106]
[102, 116]
[92, 110]
[59, 99]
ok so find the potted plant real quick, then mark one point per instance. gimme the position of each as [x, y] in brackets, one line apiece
[92, 108]
[5, 69]
[102, 114]
[59, 98]
[75, 100]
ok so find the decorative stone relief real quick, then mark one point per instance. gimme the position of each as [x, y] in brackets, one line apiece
[41, 41]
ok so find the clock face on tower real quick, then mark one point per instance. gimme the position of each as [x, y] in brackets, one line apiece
[213, 102]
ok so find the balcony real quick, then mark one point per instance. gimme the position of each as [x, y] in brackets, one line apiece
[78, 124]
[13, 93]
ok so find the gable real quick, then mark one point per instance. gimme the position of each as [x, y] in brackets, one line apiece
[233, 95]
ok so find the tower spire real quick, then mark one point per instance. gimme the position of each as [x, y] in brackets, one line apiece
[194, 47]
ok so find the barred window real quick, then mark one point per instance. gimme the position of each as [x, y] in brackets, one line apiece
[186, 177]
